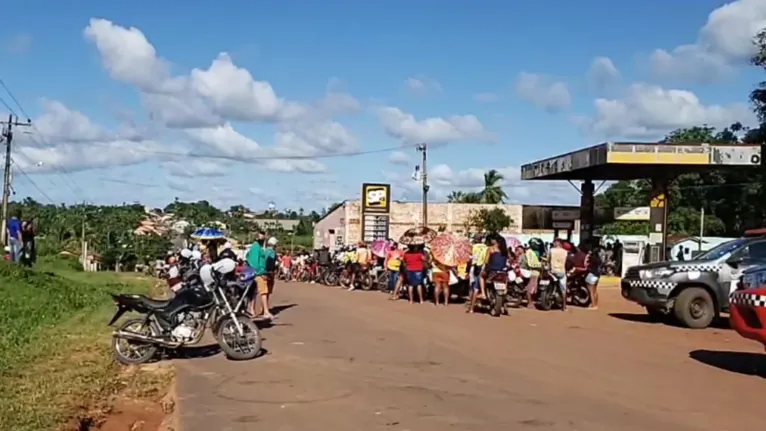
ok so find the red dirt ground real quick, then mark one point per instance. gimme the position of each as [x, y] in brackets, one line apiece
[355, 361]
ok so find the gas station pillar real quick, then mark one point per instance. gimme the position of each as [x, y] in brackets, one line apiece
[658, 221]
[586, 212]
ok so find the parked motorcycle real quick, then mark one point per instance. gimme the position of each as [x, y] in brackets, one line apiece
[577, 291]
[497, 288]
[181, 321]
[517, 288]
[548, 294]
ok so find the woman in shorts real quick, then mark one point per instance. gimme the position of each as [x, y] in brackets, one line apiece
[414, 262]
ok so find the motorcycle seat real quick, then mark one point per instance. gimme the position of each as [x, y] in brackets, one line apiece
[156, 304]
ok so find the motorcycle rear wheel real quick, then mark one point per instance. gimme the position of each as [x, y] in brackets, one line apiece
[495, 304]
[147, 351]
[252, 336]
[580, 296]
[366, 282]
[544, 301]
[331, 279]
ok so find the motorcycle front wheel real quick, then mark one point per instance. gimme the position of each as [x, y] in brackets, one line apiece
[236, 346]
[130, 352]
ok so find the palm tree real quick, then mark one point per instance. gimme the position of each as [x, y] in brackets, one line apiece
[492, 193]
[461, 197]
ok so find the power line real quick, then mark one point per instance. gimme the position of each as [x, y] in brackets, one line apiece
[60, 169]
[24, 174]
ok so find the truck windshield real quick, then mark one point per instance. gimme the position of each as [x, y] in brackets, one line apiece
[721, 250]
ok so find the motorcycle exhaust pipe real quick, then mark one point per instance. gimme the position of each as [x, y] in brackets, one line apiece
[140, 337]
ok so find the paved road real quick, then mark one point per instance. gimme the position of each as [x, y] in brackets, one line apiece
[354, 361]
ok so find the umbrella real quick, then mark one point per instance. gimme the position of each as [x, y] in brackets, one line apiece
[208, 233]
[512, 242]
[417, 236]
[450, 249]
[379, 247]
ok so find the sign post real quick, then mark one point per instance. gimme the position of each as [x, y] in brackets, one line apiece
[376, 209]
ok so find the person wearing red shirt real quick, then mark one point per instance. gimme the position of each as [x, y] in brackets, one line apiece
[414, 260]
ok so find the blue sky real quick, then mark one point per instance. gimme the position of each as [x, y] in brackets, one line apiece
[134, 102]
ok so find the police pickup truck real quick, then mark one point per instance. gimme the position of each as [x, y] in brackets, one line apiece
[695, 291]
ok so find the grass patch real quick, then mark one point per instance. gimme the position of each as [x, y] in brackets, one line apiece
[55, 359]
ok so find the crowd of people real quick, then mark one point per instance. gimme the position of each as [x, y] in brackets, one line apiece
[413, 273]
[402, 271]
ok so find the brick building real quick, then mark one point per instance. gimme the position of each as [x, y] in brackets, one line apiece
[343, 225]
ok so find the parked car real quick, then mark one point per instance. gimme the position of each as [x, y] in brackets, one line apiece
[694, 292]
[747, 309]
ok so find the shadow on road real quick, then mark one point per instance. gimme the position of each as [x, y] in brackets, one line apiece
[667, 320]
[194, 352]
[750, 364]
[275, 310]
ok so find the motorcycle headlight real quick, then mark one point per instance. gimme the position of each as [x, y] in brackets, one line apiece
[656, 273]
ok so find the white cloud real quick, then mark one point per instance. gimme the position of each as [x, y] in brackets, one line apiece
[422, 85]
[542, 92]
[602, 73]
[399, 158]
[650, 111]
[195, 169]
[443, 179]
[486, 97]
[724, 42]
[66, 139]
[205, 102]
[433, 130]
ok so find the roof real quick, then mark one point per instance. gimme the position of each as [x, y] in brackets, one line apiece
[340, 205]
[633, 160]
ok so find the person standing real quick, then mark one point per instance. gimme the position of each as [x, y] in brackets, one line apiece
[270, 254]
[593, 266]
[441, 281]
[415, 263]
[29, 251]
[478, 260]
[393, 264]
[558, 260]
[256, 259]
[15, 239]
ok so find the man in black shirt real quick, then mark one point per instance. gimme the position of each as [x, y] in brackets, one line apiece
[323, 256]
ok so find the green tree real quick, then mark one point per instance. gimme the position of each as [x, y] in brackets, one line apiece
[488, 220]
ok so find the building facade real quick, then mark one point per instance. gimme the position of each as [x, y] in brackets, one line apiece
[343, 225]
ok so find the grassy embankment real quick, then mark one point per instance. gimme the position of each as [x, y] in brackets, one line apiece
[55, 359]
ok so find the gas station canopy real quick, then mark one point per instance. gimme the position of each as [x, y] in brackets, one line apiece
[628, 161]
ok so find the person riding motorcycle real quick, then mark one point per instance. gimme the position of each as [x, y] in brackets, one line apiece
[227, 253]
[361, 262]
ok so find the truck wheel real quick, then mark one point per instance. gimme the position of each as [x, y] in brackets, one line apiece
[694, 308]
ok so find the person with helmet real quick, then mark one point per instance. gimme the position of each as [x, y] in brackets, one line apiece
[227, 252]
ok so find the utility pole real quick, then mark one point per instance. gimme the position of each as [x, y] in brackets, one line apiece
[423, 148]
[7, 135]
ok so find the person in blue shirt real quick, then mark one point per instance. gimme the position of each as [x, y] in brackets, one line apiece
[14, 236]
